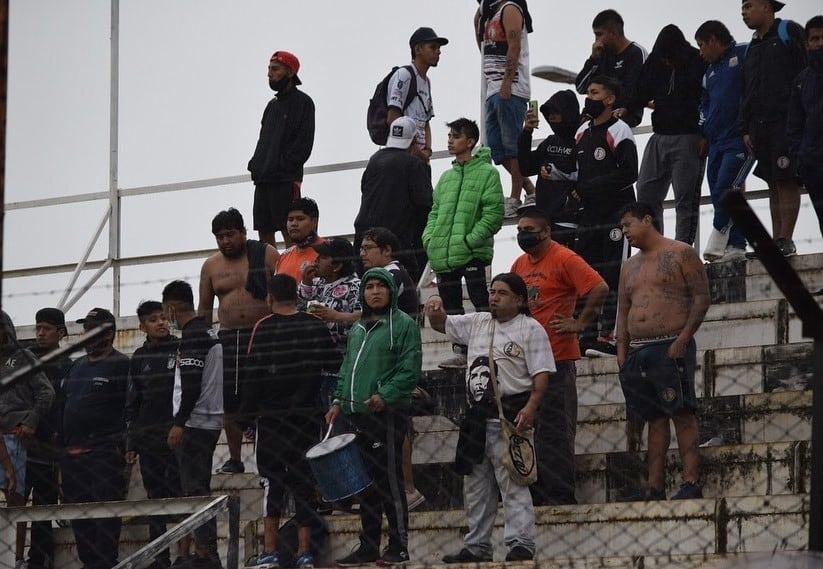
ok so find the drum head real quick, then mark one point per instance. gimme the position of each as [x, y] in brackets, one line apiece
[329, 446]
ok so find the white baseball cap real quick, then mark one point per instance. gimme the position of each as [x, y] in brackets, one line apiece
[401, 133]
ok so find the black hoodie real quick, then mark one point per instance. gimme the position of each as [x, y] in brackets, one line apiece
[149, 415]
[554, 196]
[672, 77]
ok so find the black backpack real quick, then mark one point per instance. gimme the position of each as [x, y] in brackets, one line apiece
[378, 110]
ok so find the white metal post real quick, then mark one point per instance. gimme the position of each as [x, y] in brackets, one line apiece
[114, 197]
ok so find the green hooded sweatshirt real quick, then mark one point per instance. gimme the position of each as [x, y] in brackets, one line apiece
[383, 357]
[466, 214]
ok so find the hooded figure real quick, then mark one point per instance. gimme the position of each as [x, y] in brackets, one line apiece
[383, 355]
[555, 196]
[672, 78]
[28, 399]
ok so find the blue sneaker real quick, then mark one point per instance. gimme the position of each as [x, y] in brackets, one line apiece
[305, 561]
[266, 560]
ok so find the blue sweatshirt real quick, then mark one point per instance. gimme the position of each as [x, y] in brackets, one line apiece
[720, 104]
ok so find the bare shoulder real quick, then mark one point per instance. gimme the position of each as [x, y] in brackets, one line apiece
[210, 263]
[685, 253]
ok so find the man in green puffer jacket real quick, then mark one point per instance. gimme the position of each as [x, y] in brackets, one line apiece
[381, 368]
[466, 214]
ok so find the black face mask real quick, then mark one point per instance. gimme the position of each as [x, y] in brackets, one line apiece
[279, 85]
[593, 108]
[528, 240]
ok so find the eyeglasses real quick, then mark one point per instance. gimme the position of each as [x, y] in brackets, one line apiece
[367, 248]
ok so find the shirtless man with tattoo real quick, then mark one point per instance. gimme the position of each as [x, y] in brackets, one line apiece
[663, 298]
[237, 275]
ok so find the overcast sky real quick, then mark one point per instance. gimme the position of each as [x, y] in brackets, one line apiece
[193, 87]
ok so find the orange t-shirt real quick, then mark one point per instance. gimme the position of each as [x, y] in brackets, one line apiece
[293, 259]
[554, 282]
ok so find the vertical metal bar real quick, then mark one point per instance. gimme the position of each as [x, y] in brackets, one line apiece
[114, 197]
[233, 553]
[4, 73]
[816, 498]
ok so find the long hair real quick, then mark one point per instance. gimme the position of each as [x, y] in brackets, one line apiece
[518, 286]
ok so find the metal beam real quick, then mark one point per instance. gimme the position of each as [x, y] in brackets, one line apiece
[115, 218]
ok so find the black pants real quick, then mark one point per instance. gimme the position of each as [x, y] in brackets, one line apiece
[450, 287]
[41, 484]
[554, 439]
[95, 476]
[604, 248]
[161, 479]
[194, 457]
[380, 440]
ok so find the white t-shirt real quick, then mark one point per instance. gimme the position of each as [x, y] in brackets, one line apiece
[521, 351]
[495, 46]
[420, 109]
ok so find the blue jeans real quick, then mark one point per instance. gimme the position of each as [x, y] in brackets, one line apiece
[504, 122]
[725, 160]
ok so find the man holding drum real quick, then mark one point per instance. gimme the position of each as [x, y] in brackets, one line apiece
[381, 368]
[287, 354]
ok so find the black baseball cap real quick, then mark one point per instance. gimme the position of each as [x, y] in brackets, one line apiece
[777, 6]
[338, 248]
[422, 35]
[53, 316]
[97, 317]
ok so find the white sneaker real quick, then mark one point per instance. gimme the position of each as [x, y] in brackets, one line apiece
[716, 245]
[732, 254]
[529, 199]
[510, 206]
[457, 361]
[414, 499]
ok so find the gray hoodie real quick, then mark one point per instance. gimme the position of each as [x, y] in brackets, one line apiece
[28, 399]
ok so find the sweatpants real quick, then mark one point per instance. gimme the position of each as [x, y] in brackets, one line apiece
[554, 439]
[480, 494]
[380, 440]
[95, 476]
[724, 163]
[673, 159]
[161, 479]
[41, 483]
[194, 457]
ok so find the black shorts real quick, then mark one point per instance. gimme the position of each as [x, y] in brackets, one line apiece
[655, 385]
[271, 204]
[282, 442]
[772, 152]
[235, 343]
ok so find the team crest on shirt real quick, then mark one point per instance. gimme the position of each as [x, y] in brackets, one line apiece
[533, 292]
[512, 350]
[616, 234]
[783, 162]
[599, 153]
[340, 291]
[400, 83]
[668, 395]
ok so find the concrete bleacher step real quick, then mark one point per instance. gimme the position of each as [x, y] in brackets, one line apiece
[747, 419]
[749, 280]
[726, 371]
[689, 527]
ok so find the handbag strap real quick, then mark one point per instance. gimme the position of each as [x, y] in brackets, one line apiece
[493, 371]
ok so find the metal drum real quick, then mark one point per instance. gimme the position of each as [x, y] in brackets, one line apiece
[338, 467]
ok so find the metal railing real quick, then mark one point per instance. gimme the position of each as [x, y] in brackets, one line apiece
[202, 509]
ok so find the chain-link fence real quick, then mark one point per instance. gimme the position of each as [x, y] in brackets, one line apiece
[753, 379]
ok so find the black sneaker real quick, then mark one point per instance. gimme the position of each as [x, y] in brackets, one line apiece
[786, 246]
[394, 555]
[464, 556]
[360, 556]
[232, 466]
[689, 491]
[644, 495]
[519, 553]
